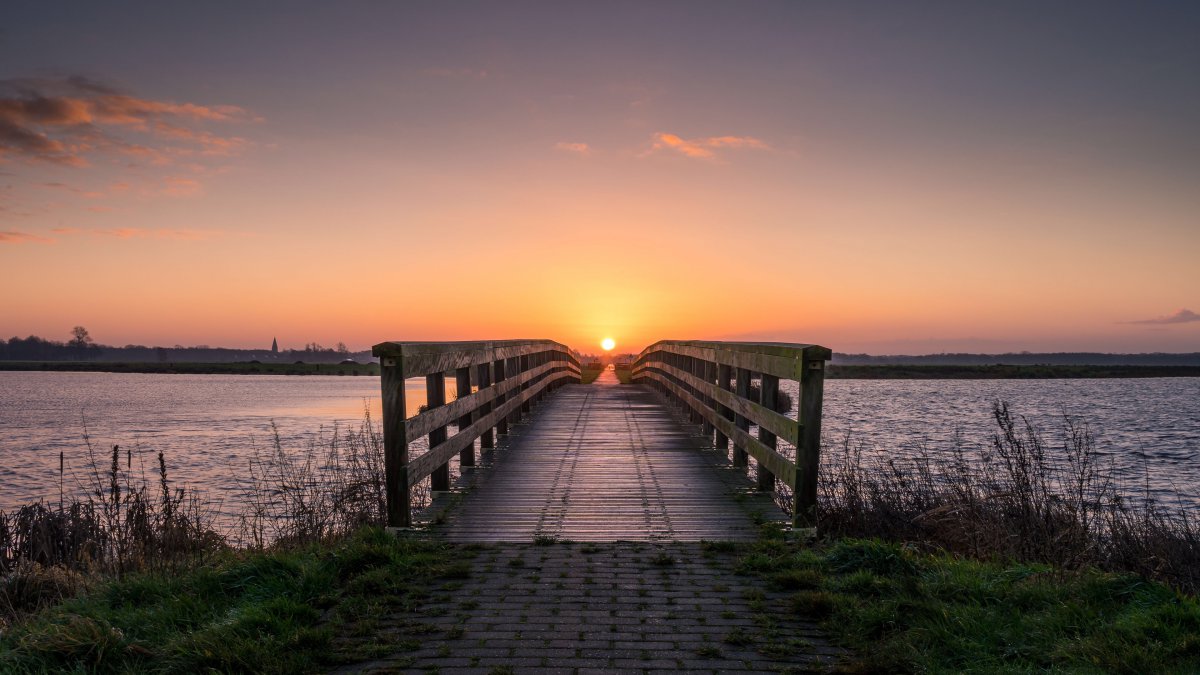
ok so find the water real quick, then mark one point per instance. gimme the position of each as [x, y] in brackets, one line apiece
[209, 425]
[1148, 427]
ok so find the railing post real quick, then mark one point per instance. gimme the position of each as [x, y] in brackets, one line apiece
[498, 369]
[524, 361]
[462, 382]
[435, 396]
[484, 376]
[808, 452]
[770, 395]
[395, 441]
[723, 374]
[705, 372]
[743, 390]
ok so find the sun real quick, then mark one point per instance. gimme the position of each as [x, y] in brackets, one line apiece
[608, 344]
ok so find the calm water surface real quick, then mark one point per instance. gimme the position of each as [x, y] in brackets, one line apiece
[209, 425]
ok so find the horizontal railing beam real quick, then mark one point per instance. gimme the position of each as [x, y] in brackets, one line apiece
[431, 419]
[783, 427]
[424, 465]
[776, 463]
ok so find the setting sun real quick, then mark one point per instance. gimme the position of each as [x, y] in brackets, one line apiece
[608, 344]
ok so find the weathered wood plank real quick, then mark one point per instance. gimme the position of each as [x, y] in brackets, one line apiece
[607, 462]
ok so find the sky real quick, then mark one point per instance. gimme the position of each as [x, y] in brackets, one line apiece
[883, 177]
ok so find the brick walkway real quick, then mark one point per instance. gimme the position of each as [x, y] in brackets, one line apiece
[602, 607]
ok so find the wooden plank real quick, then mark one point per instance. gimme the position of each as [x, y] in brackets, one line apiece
[607, 462]
[423, 358]
[782, 360]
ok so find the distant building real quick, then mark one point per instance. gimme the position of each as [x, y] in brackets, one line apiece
[274, 346]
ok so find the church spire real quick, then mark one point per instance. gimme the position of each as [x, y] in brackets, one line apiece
[274, 346]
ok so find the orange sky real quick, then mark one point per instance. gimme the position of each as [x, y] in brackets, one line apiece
[868, 182]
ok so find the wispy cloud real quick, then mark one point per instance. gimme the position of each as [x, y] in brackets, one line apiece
[67, 120]
[702, 148]
[577, 148]
[168, 234]
[1182, 316]
[16, 237]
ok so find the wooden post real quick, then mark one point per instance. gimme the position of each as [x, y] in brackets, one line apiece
[484, 376]
[770, 395]
[462, 382]
[395, 441]
[740, 458]
[808, 452]
[435, 397]
[723, 375]
[498, 369]
[512, 369]
[693, 364]
[707, 372]
[524, 361]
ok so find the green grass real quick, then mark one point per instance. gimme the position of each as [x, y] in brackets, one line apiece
[276, 612]
[589, 375]
[903, 611]
[624, 375]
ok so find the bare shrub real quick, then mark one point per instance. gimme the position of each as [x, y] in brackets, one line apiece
[1019, 498]
[333, 486]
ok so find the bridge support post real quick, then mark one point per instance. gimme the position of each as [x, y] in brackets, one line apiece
[502, 423]
[808, 451]
[435, 397]
[740, 458]
[770, 396]
[723, 374]
[483, 377]
[462, 383]
[395, 441]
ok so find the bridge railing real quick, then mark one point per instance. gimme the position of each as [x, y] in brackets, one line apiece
[496, 381]
[712, 380]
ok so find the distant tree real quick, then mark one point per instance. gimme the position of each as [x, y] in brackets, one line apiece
[342, 348]
[81, 344]
[80, 338]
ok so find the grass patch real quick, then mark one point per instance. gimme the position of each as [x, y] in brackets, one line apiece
[589, 375]
[273, 612]
[901, 610]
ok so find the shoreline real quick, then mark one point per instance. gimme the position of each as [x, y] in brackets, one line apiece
[834, 372]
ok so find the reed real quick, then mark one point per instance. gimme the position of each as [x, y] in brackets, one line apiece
[1020, 498]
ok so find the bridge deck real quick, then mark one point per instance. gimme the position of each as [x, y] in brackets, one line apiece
[608, 462]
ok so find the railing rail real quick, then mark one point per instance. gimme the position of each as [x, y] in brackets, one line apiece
[497, 382]
[698, 375]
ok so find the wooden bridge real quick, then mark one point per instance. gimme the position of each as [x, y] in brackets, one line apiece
[667, 458]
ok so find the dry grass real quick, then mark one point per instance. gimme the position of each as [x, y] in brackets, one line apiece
[1021, 499]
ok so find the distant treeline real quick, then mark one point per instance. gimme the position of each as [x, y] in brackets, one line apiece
[178, 368]
[34, 348]
[1021, 359]
[1003, 372]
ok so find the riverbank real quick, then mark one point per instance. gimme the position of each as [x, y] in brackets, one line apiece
[373, 600]
[184, 368]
